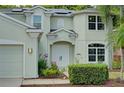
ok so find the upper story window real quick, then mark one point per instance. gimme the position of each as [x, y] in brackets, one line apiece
[37, 21]
[95, 23]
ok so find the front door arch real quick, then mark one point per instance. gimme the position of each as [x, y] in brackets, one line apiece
[62, 53]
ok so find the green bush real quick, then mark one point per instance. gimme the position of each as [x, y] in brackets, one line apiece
[116, 64]
[52, 71]
[42, 64]
[88, 73]
[54, 66]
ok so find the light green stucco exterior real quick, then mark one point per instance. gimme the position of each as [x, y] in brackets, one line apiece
[76, 25]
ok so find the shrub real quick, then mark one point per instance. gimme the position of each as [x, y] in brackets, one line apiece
[54, 66]
[88, 73]
[116, 64]
[42, 64]
[52, 71]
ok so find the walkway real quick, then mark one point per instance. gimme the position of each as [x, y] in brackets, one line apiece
[44, 81]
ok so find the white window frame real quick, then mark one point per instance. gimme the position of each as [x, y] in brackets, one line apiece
[33, 21]
[96, 23]
[96, 55]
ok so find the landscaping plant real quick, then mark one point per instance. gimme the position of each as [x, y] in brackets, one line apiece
[42, 64]
[53, 71]
[116, 64]
[88, 74]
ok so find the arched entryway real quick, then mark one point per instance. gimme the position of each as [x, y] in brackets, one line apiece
[62, 53]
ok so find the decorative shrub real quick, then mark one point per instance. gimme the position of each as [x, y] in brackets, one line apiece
[54, 66]
[88, 73]
[42, 64]
[52, 71]
[116, 64]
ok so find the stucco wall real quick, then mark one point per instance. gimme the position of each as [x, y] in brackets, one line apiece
[10, 30]
[20, 17]
[86, 36]
[68, 22]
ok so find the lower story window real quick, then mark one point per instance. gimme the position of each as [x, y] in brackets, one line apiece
[96, 53]
[92, 58]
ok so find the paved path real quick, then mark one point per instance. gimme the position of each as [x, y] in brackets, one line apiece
[10, 82]
[44, 81]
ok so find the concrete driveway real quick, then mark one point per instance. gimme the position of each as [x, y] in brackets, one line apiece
[10, 82]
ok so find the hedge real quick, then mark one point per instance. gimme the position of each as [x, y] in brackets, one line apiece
[88, 74]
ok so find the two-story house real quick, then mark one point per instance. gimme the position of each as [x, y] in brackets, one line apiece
[65, 36]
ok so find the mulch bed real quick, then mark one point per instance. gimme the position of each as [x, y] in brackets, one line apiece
[62, 76]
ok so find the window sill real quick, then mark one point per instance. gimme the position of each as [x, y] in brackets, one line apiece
[97, 30]
[92, 62]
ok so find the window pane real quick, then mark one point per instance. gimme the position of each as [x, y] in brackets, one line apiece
[92, 51]
[38, 25]
[92, 18]
[92, 58]
[101, 51]
[95, 45]
[37, 21]
[101, 58]
[99, 19]
[100, 26]
[92, 26]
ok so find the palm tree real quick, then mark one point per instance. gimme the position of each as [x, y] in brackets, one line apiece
[105, 12]
[118, 36]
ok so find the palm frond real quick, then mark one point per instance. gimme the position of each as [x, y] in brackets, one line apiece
[105, 11]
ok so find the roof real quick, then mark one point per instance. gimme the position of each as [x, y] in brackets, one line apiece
[61, 12]
[38, 6]
[88, 10]
[15, 20]
[54, 12]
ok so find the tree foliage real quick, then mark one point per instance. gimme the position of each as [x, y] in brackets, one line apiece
[70, 7]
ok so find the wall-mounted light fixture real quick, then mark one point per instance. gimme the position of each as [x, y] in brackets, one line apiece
[30, 50]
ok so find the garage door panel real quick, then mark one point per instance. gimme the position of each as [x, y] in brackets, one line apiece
[11, 59]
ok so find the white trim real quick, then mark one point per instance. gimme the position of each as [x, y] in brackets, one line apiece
[38, 7]
[96, 55]
[99, 42]
[58, 30]
[14, 20]
[34, 30]
[42, 22]
[24, 54]
[96, 24]
[5, 41]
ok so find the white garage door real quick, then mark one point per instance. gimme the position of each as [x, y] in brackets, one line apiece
[11, 60]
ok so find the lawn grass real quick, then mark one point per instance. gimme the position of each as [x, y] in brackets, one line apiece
[114, 75]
